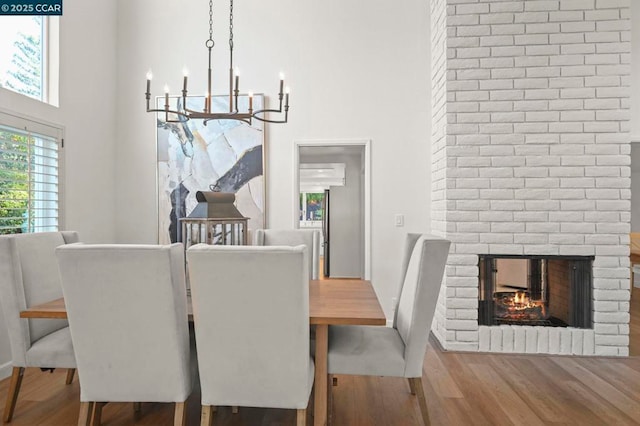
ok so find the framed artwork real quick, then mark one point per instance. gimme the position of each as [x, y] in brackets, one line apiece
[223, 154]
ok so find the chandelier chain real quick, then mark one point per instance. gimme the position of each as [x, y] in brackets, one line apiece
[210, 43]
[231, 24]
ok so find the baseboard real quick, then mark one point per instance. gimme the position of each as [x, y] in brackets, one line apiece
[5, 370]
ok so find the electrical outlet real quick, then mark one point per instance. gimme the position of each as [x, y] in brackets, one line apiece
[399, 220]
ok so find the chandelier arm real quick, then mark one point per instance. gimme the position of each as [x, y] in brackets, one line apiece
[234, 119]
[167, 112]
[193, 111]
[171, 111]
[262, 111]
[221, 116]
[265, 120]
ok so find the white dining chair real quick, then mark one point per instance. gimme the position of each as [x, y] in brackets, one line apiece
[251, 317]
[29, 276]
[127, 310]
[293, 237]
[397, 351]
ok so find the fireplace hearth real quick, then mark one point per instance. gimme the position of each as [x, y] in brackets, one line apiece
[551, 291]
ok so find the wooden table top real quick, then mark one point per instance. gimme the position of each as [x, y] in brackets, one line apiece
[331, 302]
[338, 301]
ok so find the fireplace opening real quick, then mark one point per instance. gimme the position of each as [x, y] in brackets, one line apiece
[550, 291]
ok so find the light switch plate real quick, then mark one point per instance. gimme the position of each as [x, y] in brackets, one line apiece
[399, 220]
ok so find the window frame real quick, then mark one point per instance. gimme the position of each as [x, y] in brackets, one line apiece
[38, 126]
[50, 75]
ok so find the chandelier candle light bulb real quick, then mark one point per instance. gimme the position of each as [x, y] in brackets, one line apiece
[148, 94]
[237, 85]
[207, 114]
[185, 73]
[166, 98]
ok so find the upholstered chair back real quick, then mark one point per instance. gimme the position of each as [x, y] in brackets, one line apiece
[127, 310]
[251, 313]
[418, 299]
[29, 276]
[409, 244]
[293, 237]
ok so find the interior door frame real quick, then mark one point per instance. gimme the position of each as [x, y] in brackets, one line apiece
[366, 143]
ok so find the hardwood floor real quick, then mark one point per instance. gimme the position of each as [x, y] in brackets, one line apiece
[461, 389]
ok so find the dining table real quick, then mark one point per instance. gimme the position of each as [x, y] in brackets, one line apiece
[331, 302]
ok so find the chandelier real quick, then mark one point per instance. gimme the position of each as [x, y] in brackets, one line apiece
[183, 113]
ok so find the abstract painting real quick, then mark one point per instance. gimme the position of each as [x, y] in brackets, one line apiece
[194, 156]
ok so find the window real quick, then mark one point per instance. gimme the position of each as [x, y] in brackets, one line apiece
[311, 206]
[29, 56]
[30, 165]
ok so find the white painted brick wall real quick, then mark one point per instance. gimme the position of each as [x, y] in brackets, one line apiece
[439, 143]
[530, 155]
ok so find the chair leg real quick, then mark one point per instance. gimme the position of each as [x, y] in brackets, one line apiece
[70, 373]
[417, 385]
[96, 413]
[301, 417]
[137, 410]
[330, 380]
[12, 396]
[180, 415]
[412, 387]
[206, 416]
[84, 417]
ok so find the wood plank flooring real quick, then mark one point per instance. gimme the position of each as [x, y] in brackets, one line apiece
[461, 389]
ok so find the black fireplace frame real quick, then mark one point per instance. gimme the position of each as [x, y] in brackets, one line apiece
[579, 295]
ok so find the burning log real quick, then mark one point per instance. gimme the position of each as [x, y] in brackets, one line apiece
[519, 306]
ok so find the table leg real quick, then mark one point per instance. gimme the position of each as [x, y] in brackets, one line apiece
[320, 383]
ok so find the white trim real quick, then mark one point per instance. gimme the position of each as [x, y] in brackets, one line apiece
[5, 370]
[52, 60]
[635, 138]
[366, 143]
[16, 119]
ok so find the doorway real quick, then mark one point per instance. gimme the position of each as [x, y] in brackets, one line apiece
[333, 195]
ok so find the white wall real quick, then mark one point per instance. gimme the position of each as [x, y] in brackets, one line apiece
[357, 71]
[87, 112]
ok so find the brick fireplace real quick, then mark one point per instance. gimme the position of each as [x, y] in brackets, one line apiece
[530, 156]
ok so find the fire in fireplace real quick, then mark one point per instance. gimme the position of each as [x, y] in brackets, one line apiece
[519, 306]
[535, 290]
